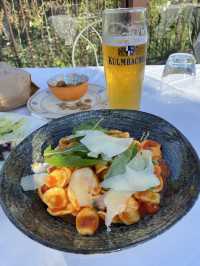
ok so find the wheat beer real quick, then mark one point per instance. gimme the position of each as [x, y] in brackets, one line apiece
[124, 63]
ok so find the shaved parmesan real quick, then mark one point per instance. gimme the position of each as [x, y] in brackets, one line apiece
[99, 143]
[115, 202]
[32, 182]
[82, 182]
[139, 175]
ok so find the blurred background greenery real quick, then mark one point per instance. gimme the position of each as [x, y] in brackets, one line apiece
[43, 32]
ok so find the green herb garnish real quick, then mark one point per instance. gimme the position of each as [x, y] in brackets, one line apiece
[119, 163]
[76, 156]
[92, 125]
[79, 148]
[72, 161]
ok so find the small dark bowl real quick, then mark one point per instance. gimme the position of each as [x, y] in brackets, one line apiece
[28, 213]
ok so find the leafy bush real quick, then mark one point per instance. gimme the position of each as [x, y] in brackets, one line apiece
[41, 36]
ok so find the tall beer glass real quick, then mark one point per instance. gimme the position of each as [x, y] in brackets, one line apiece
[124, 55]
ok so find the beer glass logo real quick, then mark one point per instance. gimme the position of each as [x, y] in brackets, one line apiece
[127, 55]
[126, 51]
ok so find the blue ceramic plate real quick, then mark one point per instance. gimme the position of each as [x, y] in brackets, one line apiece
[29, 214]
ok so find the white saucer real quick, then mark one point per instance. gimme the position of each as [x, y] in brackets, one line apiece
[45, 105]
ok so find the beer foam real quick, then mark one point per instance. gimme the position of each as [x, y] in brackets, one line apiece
[124, 40]
[130, 35]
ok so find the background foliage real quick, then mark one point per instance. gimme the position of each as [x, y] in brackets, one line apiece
[34, 33]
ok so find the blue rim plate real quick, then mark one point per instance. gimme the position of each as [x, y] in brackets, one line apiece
[28, 213]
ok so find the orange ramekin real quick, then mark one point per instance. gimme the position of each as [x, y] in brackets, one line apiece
[69, 92]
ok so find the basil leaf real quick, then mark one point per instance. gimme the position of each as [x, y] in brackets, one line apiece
[119, 163]
[72, 160]
[48, 150]
[91, 125]
[79, 147]
[75, 156]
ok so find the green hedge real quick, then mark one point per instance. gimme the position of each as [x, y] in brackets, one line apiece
[37, 43]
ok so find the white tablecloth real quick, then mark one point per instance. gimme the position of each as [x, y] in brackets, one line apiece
[180, 245]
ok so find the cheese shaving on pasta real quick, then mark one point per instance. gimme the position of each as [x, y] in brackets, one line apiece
[139, 175]
[115, 202]
[99, 143]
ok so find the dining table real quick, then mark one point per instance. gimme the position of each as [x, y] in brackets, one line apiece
[180, 244]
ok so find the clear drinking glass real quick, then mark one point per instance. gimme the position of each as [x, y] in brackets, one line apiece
[178, 76]
[124, 55]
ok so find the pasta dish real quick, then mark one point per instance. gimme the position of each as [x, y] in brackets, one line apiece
[100, 176]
